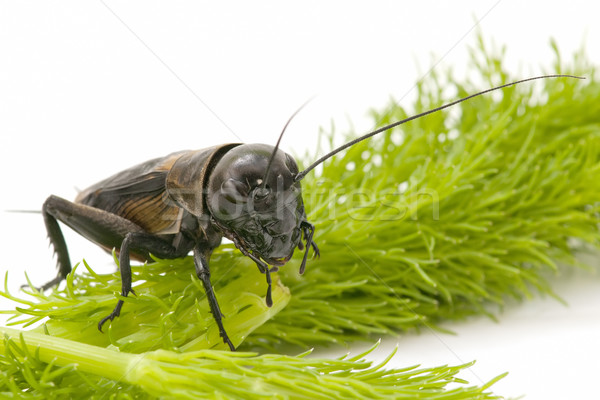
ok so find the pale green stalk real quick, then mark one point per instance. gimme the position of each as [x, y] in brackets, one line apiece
[222, 374]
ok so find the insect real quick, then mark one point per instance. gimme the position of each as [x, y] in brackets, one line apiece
[188, 201]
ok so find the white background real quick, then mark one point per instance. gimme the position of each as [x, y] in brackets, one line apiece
[89, 88]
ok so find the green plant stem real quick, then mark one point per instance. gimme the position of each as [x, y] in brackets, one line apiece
[224, 374]
[92, 359]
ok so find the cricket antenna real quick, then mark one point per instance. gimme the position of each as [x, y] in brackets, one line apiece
[302, 174]
[264, 181]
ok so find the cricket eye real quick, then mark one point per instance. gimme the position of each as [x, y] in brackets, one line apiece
[234, 191]
[291, 164]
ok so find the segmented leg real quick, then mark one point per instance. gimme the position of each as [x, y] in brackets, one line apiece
[57, 241]
[99, 226]
[137, 241]
[201, 256]
[109, 231]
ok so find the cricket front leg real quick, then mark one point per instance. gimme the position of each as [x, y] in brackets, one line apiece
[201, 257]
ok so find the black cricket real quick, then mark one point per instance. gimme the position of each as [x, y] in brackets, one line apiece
[187, 201]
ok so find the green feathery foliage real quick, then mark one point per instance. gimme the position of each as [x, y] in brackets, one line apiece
[444, 218]
[163, 315]
[38, 366]
[451, 214]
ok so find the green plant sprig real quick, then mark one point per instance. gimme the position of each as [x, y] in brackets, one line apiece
[57, 368]
[448, 216]
[161, 316]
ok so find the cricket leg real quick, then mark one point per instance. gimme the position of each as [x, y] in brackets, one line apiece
[201, 256]
[138, 242]
[102, 227]
[57, 240]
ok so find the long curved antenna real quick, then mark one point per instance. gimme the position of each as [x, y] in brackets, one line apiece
[302, 174]
[264, 181]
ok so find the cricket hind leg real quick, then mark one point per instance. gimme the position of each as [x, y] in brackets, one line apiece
[57, 241]
[107, 230]
[102, 227]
